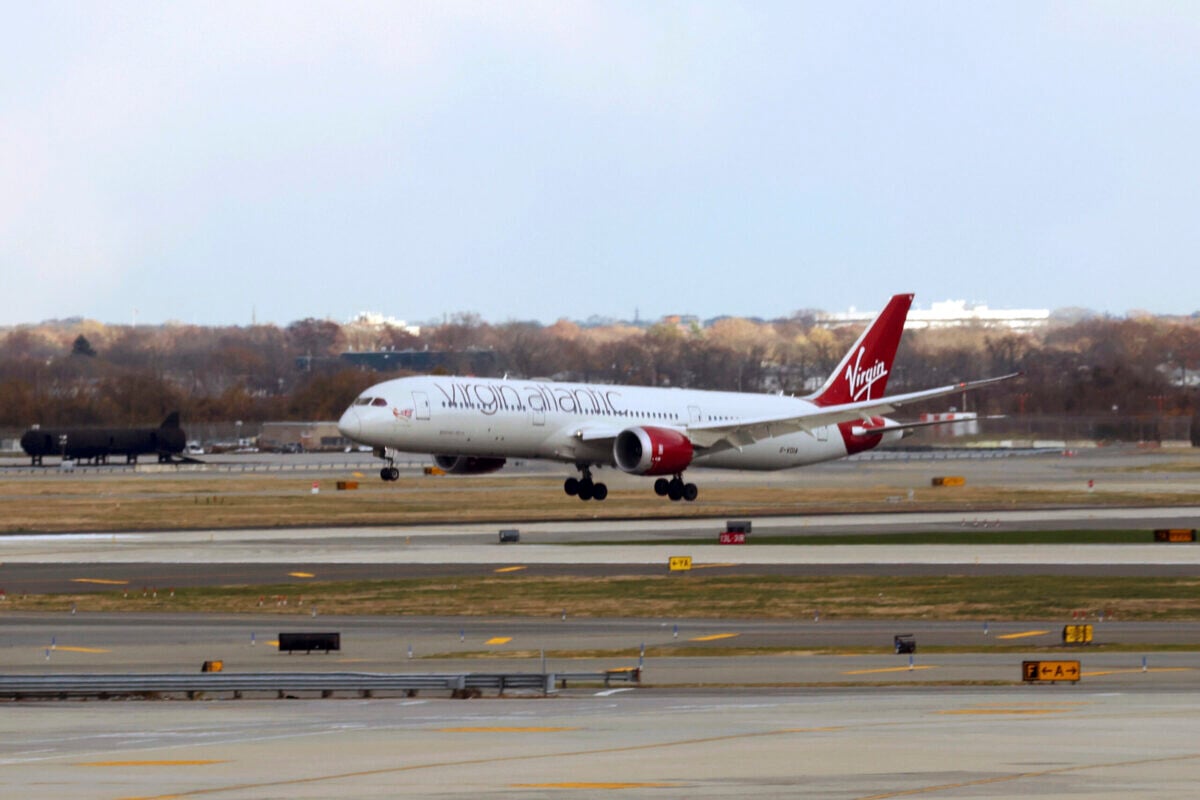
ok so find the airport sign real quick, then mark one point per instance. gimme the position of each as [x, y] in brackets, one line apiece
[1050, 671]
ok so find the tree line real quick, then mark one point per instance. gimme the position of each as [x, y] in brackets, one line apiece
[83, 372]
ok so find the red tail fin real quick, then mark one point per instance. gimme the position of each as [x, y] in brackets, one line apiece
[864, 371]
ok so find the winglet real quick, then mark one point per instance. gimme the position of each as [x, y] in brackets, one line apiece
[864, 371]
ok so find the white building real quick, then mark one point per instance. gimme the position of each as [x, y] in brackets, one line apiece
[949, 314]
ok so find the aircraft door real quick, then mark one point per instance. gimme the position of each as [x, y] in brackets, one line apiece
[421, 404]
[538, 416]
[694, 414]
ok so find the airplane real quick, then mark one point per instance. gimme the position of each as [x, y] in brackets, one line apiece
[98, 444]
[473, 425]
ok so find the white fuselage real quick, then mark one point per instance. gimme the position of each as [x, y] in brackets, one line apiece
[573, 422]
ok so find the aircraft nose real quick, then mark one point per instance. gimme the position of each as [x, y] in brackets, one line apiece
[349, 425]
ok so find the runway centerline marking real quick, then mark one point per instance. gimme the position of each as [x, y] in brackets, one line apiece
[100, 581]
[499, 640]
[889, 669]
[67, 649]
[301, 575]
[714, 637]
[1022, 635]
[510, 569]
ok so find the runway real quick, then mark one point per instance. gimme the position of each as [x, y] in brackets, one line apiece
[166, 559]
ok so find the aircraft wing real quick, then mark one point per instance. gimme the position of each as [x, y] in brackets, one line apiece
[725, 435]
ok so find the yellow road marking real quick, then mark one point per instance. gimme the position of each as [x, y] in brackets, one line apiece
[499, 640]
[714, 637]
[712, 566]
[196, 763]
[1023, 635]
[65, 649]
[503, 729]
[1132, 671]
[887, 669]
[510, 569]
[100, 581]
[815, 730]
[301, 575]
[575, 785]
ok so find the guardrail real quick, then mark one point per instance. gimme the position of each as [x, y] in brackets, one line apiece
[281, 685]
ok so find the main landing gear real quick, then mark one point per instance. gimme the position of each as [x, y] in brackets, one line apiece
[584, 488]
[676, 489]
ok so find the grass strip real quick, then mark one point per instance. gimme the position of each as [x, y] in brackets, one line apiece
[970, 537]
[678, 596]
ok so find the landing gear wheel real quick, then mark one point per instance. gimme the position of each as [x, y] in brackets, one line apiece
[586, 489]
[385, 474]
[690, 492]
[675, 490]
[393, 474]
[599, 491]
[661, 486]
[571, 486]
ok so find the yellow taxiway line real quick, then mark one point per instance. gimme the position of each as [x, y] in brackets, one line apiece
[888, 669]
[1023, 635]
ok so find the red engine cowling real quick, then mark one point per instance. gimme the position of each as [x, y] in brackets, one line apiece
[468, 465]
[652, 451]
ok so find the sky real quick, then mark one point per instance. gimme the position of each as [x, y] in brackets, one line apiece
[228, 162]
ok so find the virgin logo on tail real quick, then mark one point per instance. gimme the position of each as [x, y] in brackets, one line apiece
[861, 380]
[862, 374]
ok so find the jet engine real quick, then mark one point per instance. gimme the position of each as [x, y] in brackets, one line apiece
[468, 465]
[652, 451]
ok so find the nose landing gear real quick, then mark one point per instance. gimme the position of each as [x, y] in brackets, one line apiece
[676, 489]
[584, 487]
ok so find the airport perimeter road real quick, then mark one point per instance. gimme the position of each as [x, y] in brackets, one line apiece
[1039, 742]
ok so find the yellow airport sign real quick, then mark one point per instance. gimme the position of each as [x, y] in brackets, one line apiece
[1077, 634]
[1052, 671]
[680, 563]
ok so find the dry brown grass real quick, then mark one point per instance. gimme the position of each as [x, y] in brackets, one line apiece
[665, 597]
[155, 502]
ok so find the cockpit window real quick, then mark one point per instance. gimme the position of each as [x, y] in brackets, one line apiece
[363, 401]
[379, 401]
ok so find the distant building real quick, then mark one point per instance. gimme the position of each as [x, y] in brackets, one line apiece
[374, 319]
[949, 314]
[302, 436]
